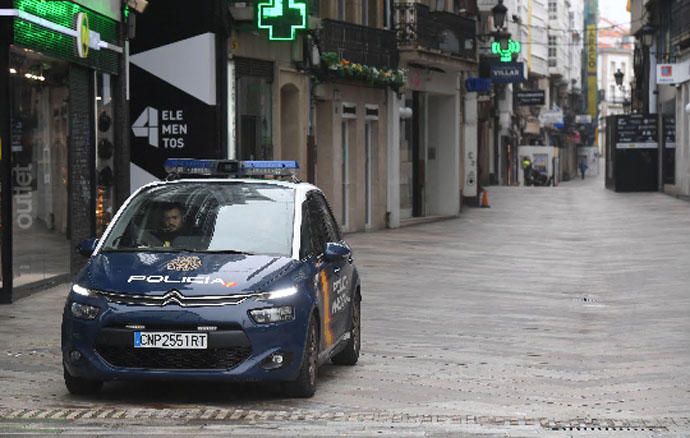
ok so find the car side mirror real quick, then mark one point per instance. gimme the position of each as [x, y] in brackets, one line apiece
[336, 251]
[87, 247]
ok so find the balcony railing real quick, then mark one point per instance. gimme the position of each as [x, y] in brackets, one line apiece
[443, 32]
[360, 44]
[680, 32]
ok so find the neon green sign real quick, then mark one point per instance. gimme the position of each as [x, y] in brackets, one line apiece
[506, 53]
[282, 18]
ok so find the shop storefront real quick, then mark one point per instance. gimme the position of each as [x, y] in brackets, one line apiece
[58, 70]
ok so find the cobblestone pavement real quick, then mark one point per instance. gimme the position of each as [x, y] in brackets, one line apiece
[558, 312]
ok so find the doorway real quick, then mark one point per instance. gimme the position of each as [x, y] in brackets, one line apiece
[289, 123]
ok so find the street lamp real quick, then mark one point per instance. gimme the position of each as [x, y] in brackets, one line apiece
[618, 76]
[647, 35]
[499, 12]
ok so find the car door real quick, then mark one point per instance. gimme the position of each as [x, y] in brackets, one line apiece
[340, 271]
[313, 241]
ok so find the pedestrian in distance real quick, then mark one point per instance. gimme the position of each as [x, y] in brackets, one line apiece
[527, 170]
[583, 168]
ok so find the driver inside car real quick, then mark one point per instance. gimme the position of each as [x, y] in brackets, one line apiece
[171, 231]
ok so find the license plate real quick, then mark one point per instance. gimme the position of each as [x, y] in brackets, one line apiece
[172, 341]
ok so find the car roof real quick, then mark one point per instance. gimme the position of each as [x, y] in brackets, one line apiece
[301, 188]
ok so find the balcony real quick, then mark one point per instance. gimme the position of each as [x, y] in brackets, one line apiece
[440, 32]
[359, 44]
[680, 32]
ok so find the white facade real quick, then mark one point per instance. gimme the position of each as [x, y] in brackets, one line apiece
[558, 37]
[576, 46]
[615, 52]
[610, 61]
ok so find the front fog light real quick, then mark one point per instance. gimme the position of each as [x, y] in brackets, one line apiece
[84, 311]
[273, 314]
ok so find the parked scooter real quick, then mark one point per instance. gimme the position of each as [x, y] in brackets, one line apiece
[537, 178]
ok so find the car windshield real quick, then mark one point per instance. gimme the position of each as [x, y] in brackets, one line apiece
[227, 217]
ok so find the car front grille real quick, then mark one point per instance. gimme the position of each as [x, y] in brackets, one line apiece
[177, 298]
[210, 359]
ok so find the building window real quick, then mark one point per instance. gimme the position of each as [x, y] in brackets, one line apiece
[341, 10]
[438, 5]
[369, 13]
[553, 10]
[553, 51]
[388, 14]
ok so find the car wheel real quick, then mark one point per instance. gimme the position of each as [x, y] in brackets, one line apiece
[305, 385]
[81, 386]
[350, 354]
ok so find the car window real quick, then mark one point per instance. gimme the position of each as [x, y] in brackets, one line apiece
[306, 249]
[331, 227]
[317, 227]
[208, 217]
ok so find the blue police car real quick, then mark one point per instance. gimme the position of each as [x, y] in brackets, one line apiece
[219, 273]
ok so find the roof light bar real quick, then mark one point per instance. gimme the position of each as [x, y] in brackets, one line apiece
[189, 167]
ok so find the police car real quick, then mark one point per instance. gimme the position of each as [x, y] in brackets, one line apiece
[226, 271]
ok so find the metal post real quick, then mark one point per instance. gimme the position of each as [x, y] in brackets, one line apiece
[5, 158]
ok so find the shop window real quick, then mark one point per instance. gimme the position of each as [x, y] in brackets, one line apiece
[39, 111]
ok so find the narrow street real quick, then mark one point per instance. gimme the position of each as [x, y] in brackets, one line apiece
[557, 308]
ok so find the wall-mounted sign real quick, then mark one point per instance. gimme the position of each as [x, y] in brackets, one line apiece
[583, 119]
[506, 53]
[673, 73]
[552, 118]
[506, 73]
[282, 18]
[83, 37]
[637, 131]
[530, 98]
[477, 85]
[67, 31]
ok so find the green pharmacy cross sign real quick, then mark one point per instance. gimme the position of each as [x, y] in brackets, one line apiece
[282, 18]
[506, 53]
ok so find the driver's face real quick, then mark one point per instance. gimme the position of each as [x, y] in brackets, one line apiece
[172, 220]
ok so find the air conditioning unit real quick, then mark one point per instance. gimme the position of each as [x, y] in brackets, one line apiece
[242, 10]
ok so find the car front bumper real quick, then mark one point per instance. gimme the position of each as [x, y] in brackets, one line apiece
[238, 348]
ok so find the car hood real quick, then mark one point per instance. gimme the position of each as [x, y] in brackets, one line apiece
[193, 274]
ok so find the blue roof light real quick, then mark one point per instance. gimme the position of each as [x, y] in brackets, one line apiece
[182, 167]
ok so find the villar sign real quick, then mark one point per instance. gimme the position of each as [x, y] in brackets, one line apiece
[508, 72]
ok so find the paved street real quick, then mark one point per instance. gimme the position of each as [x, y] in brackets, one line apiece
[558, 312]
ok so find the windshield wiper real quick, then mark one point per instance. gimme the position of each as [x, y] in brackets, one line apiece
[149, 249]
[228, 251]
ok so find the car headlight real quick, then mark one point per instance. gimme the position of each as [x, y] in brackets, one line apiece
[273, 314]
[278, 294]
[84, 311]
[80, 290]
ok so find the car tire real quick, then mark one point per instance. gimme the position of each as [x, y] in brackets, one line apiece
[305, 385]
[350, 354]
[81, 386]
